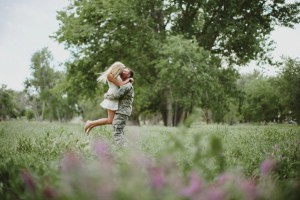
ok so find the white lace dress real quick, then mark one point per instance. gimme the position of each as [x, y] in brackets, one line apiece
[111, 104]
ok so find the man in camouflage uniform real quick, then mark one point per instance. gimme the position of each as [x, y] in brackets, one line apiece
[125, 96]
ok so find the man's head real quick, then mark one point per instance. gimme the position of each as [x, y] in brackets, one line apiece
[127, 73]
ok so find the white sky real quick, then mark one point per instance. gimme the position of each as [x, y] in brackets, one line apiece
[25, 27]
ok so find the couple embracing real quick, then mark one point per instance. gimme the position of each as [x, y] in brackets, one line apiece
[117, 100]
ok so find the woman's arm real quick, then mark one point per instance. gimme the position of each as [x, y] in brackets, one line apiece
[111, 78]
[119, 93]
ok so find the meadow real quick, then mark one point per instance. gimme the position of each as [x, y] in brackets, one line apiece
[43, 160]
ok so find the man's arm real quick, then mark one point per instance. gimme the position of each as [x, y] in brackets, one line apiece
[119, 93]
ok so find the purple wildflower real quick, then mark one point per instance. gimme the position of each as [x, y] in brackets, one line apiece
[71, 161]
[141, 160]
[221, 180]
[106, 191]
[101, 148]
[157, 177]
[28, 180]
[267, 166]
[102, 151]
[249, 189]
[214, 193]
[49, 192]
[193, 187]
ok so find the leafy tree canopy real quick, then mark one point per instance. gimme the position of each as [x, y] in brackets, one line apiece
[100, 32]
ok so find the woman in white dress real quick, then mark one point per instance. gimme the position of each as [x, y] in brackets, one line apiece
[112, 77]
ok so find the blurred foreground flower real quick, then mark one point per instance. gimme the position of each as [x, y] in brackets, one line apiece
[193, 187]
[101, 148]
[28, 180]
[267, 166]
[214, 193]
[157, 177]
[49, 192]
[103, 152]
[248, 188]
[71, 161]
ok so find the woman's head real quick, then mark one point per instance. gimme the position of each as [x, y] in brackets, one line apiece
[117, 68]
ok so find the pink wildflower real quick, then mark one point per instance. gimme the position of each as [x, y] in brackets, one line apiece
[157, 177]
[267, 166]
[101, 148]
[28, 180]
[193, 187]
[102, 151]
[49, 192]
[214, 193]
[222, 179]
[249, 189]
[71, 161]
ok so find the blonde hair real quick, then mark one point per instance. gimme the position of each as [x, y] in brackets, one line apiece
[115, 69]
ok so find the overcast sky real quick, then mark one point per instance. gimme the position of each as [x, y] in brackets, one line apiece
[25, 27]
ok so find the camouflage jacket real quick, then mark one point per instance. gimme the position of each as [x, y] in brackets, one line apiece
[125, 96]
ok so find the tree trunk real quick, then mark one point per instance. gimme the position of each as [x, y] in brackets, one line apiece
[169, 102]
[166, 108]
[182, 117]
[58, 115]
[179, 116]
[43, 110]
[208, 116]
[164, 115]
[36, 110]
[134, 119]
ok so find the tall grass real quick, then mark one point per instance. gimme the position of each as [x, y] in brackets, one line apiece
[57, 161]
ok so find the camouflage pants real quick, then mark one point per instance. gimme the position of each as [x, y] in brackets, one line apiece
[119, 124]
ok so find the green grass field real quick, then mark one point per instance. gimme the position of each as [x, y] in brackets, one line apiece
[43, 160]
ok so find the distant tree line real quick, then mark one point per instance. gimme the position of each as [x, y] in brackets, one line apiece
[259, 98]
[43, 97]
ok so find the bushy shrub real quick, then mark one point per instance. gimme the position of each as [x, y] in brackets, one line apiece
[29, 114]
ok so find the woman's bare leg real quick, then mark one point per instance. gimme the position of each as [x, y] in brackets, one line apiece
[91, 124]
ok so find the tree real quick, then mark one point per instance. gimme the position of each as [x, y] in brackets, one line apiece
[261, 102]
[289, 86]
[63, 104]
[43, 78]
[182, 68]
[46, 89]
[7, 104]
[225, 93]
[100, 32]
[236, 29]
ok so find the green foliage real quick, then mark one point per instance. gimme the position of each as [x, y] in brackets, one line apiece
[239, 30]
[261, 101]
[92, 109]
[224, 94]
[46, 89]
[8, 106]
[182, 68]
[186, 75]
[100, 32]
[289, 81]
